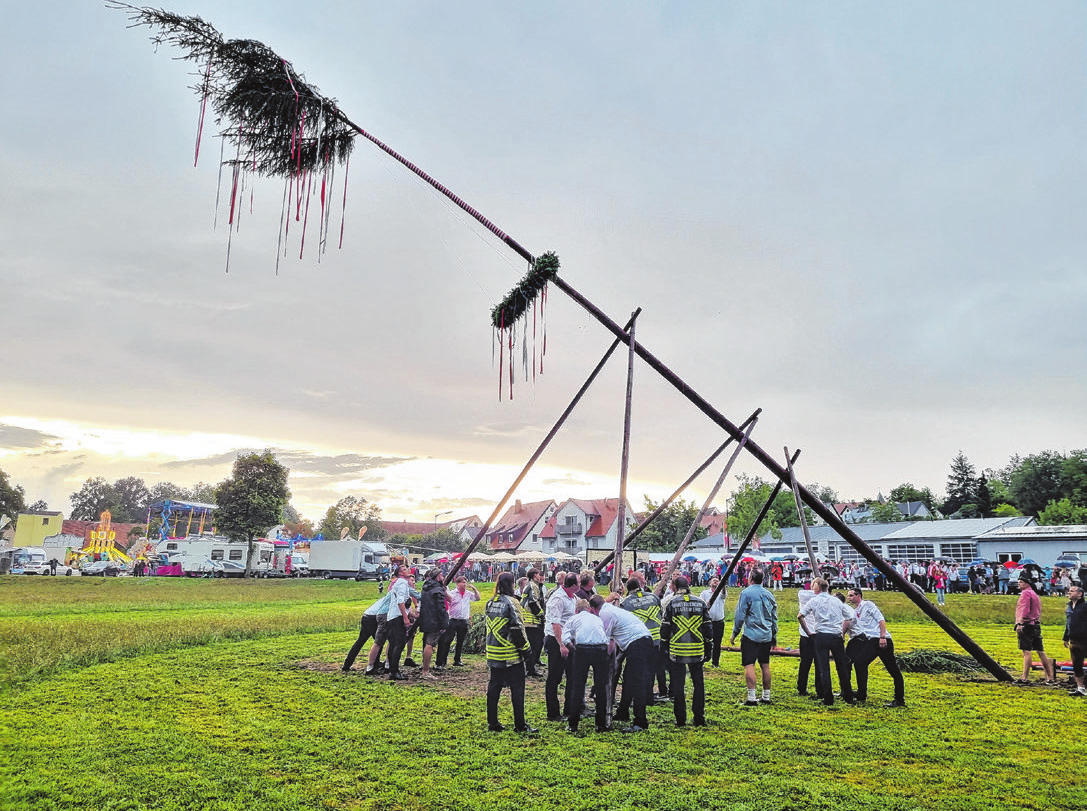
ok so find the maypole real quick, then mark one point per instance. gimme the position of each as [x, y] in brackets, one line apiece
[282, 126]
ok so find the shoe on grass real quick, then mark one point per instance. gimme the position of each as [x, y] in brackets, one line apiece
[632, 729]
[410, 663]
[751, 703]
[895, 703]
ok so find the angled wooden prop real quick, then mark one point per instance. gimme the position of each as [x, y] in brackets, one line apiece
[282, 126]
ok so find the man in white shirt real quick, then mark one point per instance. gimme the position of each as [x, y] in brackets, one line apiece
[635, 641]
[460, 599]
[825, 620]
[397, 622]
[584, 636]
[807, 650]
[869, 641]
[561, 605]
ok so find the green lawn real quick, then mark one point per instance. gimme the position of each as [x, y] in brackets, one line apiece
[128, 694]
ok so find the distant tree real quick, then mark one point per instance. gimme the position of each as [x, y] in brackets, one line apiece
[744, 505]
[201, 492]
[444, 540]
[1005, 511]
[669, 528]
[294, 524]
[353, 513]
[1074, 477]
[884, 513]
[984, 502]
[1062, 512]
[12, 501]
[1037, 481]
[961, 485]
[998, 491]
[906, 492]
[784, 509]
[37, 506]
[133, 498]
[251, 501]
[93, 498]
[161, 491]
[825, 494]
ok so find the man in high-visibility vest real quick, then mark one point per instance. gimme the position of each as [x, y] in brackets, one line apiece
[685, 629]
[506, 649]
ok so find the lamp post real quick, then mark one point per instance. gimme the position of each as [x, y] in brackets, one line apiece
[437, 516]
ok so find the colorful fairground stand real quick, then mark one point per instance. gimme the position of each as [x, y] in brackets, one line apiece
[177, 519]
[101, 544]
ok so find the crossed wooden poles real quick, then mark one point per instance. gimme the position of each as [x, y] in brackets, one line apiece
[205, 37]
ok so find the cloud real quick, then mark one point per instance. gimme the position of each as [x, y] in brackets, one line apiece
[12, 437]
[301, 462]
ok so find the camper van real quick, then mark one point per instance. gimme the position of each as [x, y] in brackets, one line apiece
[361, 560]
[26, 560]
[207, 556]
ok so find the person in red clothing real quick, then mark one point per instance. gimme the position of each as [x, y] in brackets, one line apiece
[1028, 628]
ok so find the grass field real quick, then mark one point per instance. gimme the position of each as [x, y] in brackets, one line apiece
[185, 694]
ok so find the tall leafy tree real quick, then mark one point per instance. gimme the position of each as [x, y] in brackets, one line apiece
[670, 527]
[745, 503]
[93, 498]
[12, 501]
[1037, 481]
[1074, 477]
[984, 499]
[353, 513]
[251, 501]
[1064, 512]
[887, 513]
[133, 498]
[961, 485]
[906, 492]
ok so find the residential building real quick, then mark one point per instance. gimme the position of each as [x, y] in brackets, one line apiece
[521, 527]
[586, 527]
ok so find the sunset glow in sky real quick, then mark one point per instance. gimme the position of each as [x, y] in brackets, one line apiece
[866, 219]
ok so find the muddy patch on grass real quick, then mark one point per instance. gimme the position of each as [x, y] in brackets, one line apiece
[465, 682]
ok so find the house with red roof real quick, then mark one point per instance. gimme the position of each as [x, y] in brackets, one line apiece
[521, 527]
[586, 527]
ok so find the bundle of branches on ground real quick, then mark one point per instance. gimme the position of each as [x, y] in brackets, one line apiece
[937, 661]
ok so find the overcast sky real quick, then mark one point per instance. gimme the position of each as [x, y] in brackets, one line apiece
[865, 218]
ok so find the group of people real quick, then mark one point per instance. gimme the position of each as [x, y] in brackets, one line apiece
[440, 614]
[642, 645]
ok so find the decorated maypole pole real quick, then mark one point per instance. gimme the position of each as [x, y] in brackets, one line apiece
[281, 126]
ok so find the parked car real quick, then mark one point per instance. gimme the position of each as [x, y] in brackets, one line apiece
[299, 566]
[961, 585]
[102, 568]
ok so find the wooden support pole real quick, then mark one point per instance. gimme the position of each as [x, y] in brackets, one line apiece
[666, 576]
[817, 506]
[800, 515]
[621, 514]
[539, 452]
[668, 501]
[751, 533]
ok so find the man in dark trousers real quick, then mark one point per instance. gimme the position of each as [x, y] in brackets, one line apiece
[870, 640]
[505, 650]
[532, 601]
[685, 629]
[433, 617]
[825, 620]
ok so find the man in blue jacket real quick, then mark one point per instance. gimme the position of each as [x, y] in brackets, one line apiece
[757, 615]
